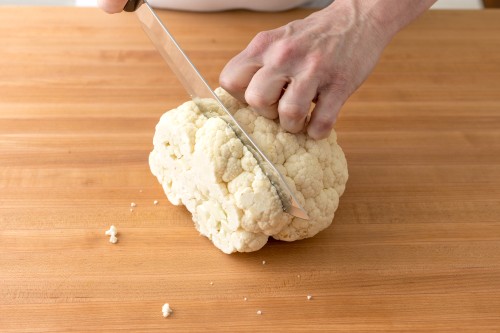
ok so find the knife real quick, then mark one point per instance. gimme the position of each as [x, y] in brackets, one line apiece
[198, 88]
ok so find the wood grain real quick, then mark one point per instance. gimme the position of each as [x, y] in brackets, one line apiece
[414, 247]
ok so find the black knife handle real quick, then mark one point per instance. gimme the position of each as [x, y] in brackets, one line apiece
[132, 5]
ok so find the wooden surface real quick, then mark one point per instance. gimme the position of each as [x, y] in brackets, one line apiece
[415, 245]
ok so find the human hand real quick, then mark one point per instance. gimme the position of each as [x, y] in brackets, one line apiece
[111, 6]
[323, 59]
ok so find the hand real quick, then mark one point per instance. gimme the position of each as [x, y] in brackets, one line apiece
[323, 59]
[111, 6]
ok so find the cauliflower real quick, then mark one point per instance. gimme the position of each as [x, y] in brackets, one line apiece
[201, 163]
[112, 232]
[166, 310]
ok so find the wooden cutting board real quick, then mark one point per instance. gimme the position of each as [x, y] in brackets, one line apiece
[415, 244]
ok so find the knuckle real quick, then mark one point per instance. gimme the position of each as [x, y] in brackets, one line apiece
[325, 124]
[284, 53]
[321, 128]
[341, 84]
[230, 84]
[263, 37]
[316, 65]
[337, 89]
[260, 42]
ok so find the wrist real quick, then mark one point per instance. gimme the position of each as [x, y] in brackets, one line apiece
[383, 18]
[391, 16]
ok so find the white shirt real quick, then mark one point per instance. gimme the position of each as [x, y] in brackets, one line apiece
[218, 5]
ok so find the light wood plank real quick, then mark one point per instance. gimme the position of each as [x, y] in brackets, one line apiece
[414, 246]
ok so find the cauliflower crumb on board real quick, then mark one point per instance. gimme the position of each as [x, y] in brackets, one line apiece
[133, 205]
[259, 312]
[309, 297]
[201, 163]
[155, 202]
[112, 232]
[166, 310]
[113, 239]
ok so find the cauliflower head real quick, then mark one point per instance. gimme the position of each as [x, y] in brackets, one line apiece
[201, 163]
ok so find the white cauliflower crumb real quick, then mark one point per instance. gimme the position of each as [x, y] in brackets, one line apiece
[245, 299]
[263, 262]
[259, 312]
[155, 202]
[309, 297]
[112, 232]
[133, 204]
[166, 310]
[202, 164]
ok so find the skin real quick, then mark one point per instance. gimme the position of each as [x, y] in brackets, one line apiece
[320, 60]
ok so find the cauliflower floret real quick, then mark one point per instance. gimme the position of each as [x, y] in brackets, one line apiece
[166, 310]
[202, 164]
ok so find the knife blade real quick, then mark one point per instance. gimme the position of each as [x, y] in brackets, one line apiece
[198, 88]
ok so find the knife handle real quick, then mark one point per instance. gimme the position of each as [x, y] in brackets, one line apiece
[132, 5]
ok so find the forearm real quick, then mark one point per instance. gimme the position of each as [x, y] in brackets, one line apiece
[385, 17]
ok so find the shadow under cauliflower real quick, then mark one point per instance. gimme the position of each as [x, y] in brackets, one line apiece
[202, 164]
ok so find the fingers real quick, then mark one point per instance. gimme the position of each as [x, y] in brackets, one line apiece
[295, 103]
[325, 114]
[236, 76]
[264, 92]
[262, 87]
[111, 6]
[239, 71]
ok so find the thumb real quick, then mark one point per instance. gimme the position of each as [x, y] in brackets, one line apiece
[111, 6]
